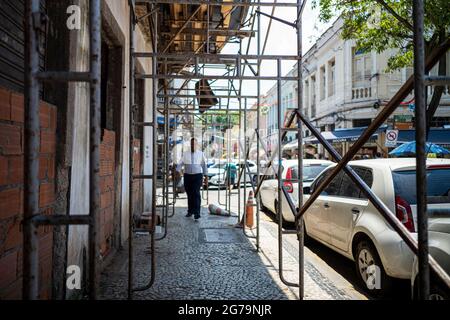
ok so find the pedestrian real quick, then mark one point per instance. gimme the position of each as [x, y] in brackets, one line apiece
[230, 174]
[195, 172]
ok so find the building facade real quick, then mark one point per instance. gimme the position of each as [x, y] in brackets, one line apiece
[346, 88]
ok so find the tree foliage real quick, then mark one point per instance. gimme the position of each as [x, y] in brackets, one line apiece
[379, 25]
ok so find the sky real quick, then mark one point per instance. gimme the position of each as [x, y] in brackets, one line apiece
[282, 41]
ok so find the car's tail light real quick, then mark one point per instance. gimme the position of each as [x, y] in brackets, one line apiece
[404, 213]
[288, 184]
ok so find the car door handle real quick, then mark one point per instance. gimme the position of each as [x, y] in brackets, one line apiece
[356, 211]
[326, 205]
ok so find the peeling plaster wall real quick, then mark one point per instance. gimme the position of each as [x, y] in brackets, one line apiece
[78, 102]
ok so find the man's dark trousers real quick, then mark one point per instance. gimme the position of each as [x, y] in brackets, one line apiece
[193, 184]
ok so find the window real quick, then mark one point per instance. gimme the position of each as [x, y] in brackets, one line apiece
[323, 81]
[313, 96]
[362, 68]
[333, 188]
[306, 96]
[438, 185]
[349, 189]
[331, 77]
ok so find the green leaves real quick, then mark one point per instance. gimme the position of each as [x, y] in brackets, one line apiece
[379, 25]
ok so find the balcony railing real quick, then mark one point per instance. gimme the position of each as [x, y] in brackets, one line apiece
[360, 93]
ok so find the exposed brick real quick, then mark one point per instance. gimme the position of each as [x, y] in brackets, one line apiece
[5, 104]
[45, 248]
[13, 291]
[48, 142]
[106, 153]
[15, 171]
[10, 139]
[106, 168]
[108, 137]
[106, 200]
[51, 167]
[48, 116]
[8, 267]
[19, 263]
[43, 167]
[14, 236]
[109, 215]
[45, 115]
[46, 194]
[17, 108]
[3, 170]
[106, 183]
[10, 203]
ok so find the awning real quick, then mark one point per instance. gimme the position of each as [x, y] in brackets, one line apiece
[162, 121]
[344, 135]
[436, 136]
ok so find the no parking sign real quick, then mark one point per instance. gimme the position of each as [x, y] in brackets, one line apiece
[391, 138]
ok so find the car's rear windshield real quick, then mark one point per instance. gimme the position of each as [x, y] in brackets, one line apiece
[438, 185]
[310, 172]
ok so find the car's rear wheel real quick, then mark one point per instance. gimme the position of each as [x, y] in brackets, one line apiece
[438, 293]
[370, 270]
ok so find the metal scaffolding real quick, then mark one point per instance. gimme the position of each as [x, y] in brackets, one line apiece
[203, 64]
[33, 219]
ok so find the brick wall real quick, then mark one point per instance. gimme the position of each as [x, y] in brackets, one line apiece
[11, 193]
[107, 187]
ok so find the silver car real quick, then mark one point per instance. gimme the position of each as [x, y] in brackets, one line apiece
[343, 219]
[439, 248]
[269, 188]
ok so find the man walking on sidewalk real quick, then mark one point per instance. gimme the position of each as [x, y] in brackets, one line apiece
[195, 170]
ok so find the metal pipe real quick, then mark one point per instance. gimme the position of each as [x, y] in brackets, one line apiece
[421, 169]
[58, 76]
[213, 57]
[61, 220]
[165, 168]
[212, 77]
[32, 147]
[279, 207]
[131, 151]
[299, 222]
[95, 140]
[219, 3]
[258, 119]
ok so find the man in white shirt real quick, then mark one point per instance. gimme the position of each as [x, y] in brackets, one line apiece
[195, 169]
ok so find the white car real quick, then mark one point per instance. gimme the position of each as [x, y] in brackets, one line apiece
[344, 220]
[269, 188]
[217, 168]
[218, 178]
[439, 248]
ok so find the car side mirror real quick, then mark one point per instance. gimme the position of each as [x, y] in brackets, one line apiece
[306, 190]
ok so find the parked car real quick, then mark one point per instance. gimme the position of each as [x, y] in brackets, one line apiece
[343, 219]
[219, 179]
[269, 188]
[217, 168]
[439, 248]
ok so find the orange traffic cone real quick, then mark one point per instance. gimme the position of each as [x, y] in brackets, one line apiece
[249, 211]
[249, 214]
